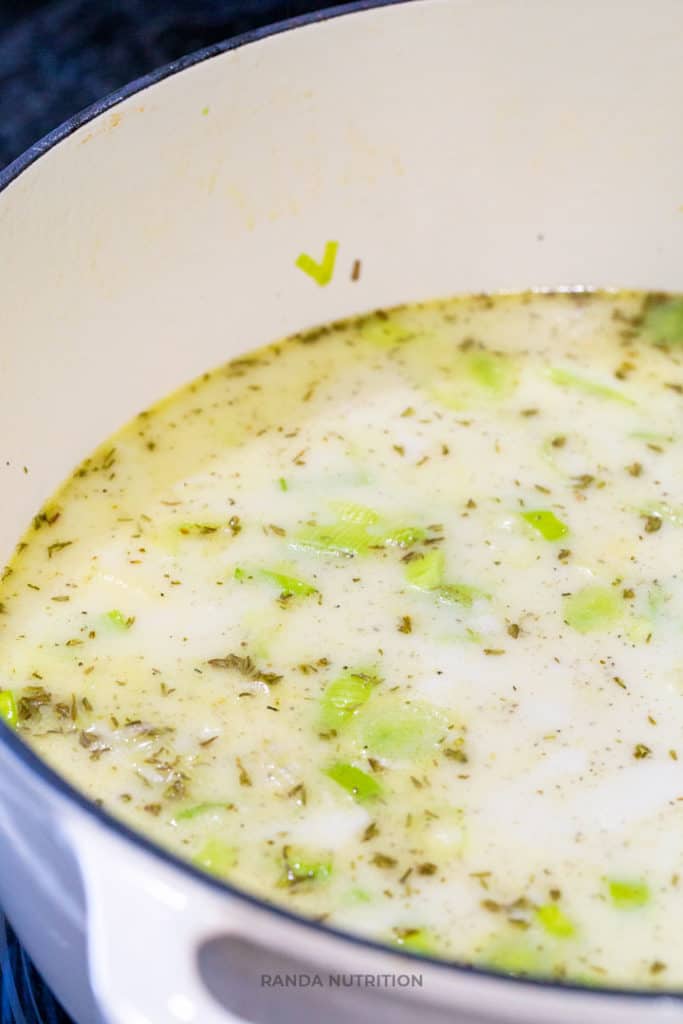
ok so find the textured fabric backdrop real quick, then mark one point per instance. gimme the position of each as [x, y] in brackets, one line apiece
[55, 59]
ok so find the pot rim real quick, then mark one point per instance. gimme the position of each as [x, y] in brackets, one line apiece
[40, 768]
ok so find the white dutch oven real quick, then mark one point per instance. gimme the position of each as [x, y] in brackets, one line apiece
[449, 145]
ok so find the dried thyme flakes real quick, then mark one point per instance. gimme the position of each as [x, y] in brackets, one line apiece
[244, 666]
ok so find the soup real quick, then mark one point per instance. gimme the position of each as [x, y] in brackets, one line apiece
[383, 623]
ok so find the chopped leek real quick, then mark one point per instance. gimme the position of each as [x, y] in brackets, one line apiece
[404, 536]
[9, 713]
[405, 732]
[656, 598]
[662, 510]
[357, 895]
[416, 940]
[198, 809]
[568, 379]
[516, 956]
[288, 586]
[475, 377]
[491, 371]
[554, 921]
[664, 322]
[593, 608]
[357, 531]
[628, 895]
[442, 832]
[458, 593]
[343, 697]
[335, 538]
[427, 571]
[359, 514]
[119, 620]
[217, 857]
[320, 272]
[546, 523]
[383, 332]
[355, 781]
[302, 866]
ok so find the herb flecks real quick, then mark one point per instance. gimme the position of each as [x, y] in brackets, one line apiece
[243, 774]
[245, 666]
[60, 545]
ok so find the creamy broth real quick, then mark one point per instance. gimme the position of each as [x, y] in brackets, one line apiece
[384, 623]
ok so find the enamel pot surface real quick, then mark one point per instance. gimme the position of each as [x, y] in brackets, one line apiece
[451, 146]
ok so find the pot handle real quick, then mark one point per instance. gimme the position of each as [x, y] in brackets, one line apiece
[144, 932]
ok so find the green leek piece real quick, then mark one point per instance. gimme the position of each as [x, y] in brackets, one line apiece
[336, 538]
[357, 895]
[567, 379]
[348, 512]
[638, 629]
[287, 585]
[303, 866]
[653, 438]
[404, 536]
[198, 809]
[473, 377]
[458, 593]
[405, 733]
[351, 535]
[443, 834]
[283, 484]
[546, 523]
[628, 895]
[427, 571]
[671, 513]
[664, 322]
[320, 272]
[554, 921]
[516, 956]
[415, 940]
[357, 530]
[592, 609]
[356, 782]
[491, 371]
[342, 698]
[9, 713]
[656, 598]
[119, 620]
[383, 331]
[216, 857]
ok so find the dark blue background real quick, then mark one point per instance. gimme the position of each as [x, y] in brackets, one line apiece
[55, 59]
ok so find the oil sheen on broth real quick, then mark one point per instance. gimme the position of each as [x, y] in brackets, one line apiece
[383, 623]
